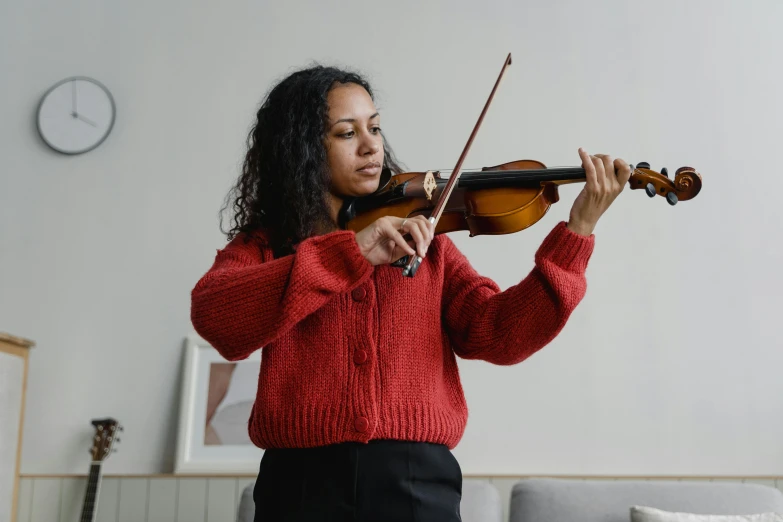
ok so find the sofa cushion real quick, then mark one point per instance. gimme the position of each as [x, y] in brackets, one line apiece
[648, 514]
[574, 500]
[480, 502]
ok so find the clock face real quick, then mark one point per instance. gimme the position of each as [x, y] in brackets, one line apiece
[76, 115]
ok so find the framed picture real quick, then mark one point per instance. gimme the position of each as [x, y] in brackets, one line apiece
[215, 403]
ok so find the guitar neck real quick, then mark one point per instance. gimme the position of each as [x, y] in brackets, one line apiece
[90, 507]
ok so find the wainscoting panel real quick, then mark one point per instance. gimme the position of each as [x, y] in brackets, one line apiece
[168, 498]
[47, 499]
[24, 511]
[71, 498]
[132, 499]
[162, 504]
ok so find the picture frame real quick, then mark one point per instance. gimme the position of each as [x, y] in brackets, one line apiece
[215, 400]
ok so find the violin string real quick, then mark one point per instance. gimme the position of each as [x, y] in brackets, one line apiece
[634, 171]
[551, 167]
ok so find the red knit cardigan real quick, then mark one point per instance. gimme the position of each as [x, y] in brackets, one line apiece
[353, 352]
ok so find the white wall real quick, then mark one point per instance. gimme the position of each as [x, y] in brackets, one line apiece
[670, 365]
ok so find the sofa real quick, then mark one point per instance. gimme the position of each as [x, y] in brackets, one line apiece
[596, 500]
[599, 500]
[480, 502]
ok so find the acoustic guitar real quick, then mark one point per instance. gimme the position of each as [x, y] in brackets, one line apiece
[102, 446]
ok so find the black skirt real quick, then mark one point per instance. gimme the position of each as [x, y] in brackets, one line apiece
[383, 481]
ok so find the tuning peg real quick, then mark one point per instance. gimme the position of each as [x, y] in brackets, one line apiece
[650, 189]
[672, 198]
[643, 165]
[665, 172]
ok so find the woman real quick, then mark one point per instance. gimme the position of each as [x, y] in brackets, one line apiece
[359, 400]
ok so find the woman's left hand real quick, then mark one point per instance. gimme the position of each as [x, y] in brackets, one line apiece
[606, 178]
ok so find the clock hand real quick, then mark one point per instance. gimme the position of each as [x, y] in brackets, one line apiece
[79, 116]
[73, 92]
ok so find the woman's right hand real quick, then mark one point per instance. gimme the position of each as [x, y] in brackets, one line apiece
[382, 242]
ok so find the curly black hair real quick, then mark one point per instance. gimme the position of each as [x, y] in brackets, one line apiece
[285, 178]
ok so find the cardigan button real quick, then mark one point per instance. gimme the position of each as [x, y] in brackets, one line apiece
[362, 424]
[358, 293]
[360, 356]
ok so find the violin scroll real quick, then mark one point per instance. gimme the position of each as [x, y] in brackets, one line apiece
[686, 184]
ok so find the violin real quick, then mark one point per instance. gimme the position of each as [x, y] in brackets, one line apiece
[495, 200]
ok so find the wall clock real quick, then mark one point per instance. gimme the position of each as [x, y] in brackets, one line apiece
[76, 115]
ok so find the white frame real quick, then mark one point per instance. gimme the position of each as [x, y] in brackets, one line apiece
[193, 457]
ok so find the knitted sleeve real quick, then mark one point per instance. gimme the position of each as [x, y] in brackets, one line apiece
[243, 302]
[508, 327]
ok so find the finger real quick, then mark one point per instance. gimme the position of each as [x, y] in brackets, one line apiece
[609, 172]
[423, 223]
[402, 244]
[587, 164]
[623, 172]
[426, 231]
[416, 229]
[394, 234]
[427, 226]
[600, 175]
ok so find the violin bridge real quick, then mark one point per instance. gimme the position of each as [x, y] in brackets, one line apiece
[429, 184]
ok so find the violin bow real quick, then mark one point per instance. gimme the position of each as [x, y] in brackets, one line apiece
[413, 264]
